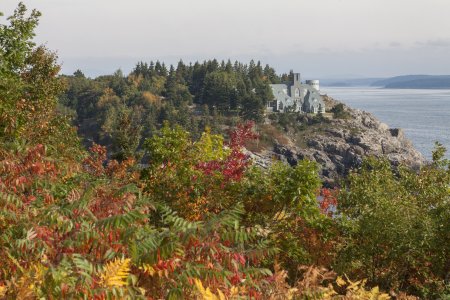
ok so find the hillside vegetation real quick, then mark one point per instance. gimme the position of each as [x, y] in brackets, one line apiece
[179, 212]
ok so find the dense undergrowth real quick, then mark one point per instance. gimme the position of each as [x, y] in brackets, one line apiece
[197, 220]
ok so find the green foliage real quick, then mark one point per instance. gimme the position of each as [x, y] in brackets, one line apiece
[186, 173]
[339, 112]
[28, 83]
[396, 226]
[438, 156]
[16, 43]
[284, 201]
[29, 87]
[210, 94]
[220, 90]
[171, 145]
[120, 124]
[253, 107]
[176, 89]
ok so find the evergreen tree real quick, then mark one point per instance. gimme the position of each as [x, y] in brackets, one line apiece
[79, 74]
[220, 90]
[176, 91]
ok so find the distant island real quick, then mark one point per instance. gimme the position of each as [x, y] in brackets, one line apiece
[397, 82]
[415, 82]
[349, 82]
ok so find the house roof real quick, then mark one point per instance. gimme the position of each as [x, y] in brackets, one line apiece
[311, 95]
[279, 93]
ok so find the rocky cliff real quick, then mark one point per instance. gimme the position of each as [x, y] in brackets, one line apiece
[339, 142]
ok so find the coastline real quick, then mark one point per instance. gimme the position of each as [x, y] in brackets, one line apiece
[420, 119]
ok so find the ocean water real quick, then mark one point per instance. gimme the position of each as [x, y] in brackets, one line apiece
[423, 114]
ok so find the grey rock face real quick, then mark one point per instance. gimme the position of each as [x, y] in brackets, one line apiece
[344, 143]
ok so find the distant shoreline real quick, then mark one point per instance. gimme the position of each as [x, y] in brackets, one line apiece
[399, 82]
[385, 88]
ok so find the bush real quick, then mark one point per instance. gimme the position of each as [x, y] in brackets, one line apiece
[339, 112]
[396, 227]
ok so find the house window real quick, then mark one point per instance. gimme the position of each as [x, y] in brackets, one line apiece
[273, 104]
[297, 93]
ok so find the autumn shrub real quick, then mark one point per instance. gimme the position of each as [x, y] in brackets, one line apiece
[207, 176]
[98, 229]
[396, 226]
[196, 178]
[94, 233]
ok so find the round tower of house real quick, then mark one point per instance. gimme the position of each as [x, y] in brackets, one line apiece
[314, 84]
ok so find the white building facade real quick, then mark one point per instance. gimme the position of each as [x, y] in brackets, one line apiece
[297, 97]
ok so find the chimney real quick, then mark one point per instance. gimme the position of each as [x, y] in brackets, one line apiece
[297, 78]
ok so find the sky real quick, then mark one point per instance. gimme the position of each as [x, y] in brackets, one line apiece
[318, 38]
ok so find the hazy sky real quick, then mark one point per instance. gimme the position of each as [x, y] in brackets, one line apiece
[319, 38]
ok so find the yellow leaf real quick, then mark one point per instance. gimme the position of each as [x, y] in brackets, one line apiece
[209, 295]
[355, 285]
[199, 286]
[148, 269]
[206, 293]
[2, 291]
[384, 297]
[340, 281]
[280, 216]
[116, 272]
[291, 293]
[234, 291]
[31, 279]
[221, 295]
[142, 290]
[329, 292]
[375, 291]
